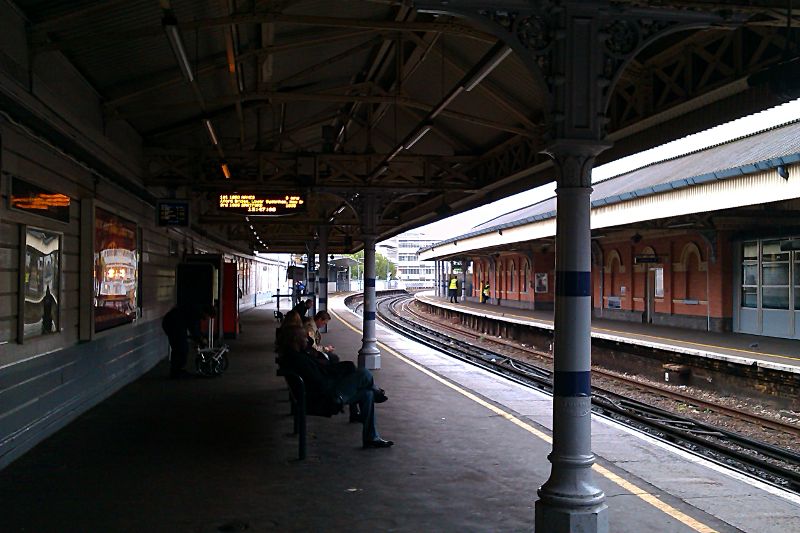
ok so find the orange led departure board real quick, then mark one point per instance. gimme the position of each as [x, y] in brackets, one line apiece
[254, 204]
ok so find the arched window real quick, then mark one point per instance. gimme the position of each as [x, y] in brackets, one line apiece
[526, 275]
[695, 286]
[513, 275]
[613, 281]
[500, 274]
[614, 271]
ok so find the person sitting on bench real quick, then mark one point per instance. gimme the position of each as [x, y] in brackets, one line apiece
[291, 319]
[313, 325]
[329, 391]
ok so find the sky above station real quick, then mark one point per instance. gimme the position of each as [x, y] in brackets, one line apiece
[455, 225]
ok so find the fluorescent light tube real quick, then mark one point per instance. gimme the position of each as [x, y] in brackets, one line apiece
[211, 133]
[444, 103]
[418, 136]
[394, 154]
[180, 52]
[487, 69]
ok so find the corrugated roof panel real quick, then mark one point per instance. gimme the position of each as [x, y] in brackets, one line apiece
[737, 153]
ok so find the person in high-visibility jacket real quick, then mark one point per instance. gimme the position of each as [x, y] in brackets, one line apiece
[485, 293]
[452, 289]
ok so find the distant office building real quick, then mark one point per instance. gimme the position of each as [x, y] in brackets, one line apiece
[402, 251]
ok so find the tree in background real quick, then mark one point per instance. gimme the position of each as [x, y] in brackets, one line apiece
[383, 266]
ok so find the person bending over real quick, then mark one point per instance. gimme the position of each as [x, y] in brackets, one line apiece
[177, 323]
[303, 307]
[327, 388]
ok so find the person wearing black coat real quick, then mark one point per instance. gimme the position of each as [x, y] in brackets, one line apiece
[178, 324]
[329, 389]
[303, 307]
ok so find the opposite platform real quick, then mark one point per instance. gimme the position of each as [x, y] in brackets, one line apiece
[768, 352]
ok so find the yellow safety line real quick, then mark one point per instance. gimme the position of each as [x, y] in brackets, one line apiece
[634, 335]
[614, 478]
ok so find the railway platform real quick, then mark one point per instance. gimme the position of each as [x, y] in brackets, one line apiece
[767, 352]
[208, 455]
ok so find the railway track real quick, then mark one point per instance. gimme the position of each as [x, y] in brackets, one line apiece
[774, 465]
[776, 425]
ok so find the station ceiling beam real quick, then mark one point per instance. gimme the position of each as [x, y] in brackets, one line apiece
[44, 40]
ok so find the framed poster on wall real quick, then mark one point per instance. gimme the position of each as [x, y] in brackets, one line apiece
[540, 282]
[116, 270]
[40, 283]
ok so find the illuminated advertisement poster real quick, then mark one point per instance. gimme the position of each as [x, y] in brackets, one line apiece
[32, 199]
[116, 271]
[41, 286]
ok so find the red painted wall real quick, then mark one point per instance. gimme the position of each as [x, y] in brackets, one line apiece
[689, 275]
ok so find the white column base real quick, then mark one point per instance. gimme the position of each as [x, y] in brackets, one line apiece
[369, 357]
[575, 520]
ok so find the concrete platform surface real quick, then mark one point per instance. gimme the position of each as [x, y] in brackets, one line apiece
[208, 455]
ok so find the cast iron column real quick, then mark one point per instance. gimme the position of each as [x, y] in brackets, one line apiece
[369, 356]
[311, 289]
[440, 280]
[323, 271]
[569, 501]
[464, 278]
[436, 278]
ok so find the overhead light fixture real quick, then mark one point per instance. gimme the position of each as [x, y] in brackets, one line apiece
[175, 41]
[211, 133]
[240, 80]
[331, 219]
[394, 154]
[340, 210]
[783, 172]
[226, 171]
[680, 225]
[383, 169]
[425, 129]
[487, 69]
[446, 102]
[251, 227]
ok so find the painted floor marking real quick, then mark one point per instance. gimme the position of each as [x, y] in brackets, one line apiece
[614, 478]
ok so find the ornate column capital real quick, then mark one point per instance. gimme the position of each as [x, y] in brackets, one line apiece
[574, 160]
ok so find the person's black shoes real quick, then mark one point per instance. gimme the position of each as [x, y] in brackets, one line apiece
[378, 443]
[379, 396]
